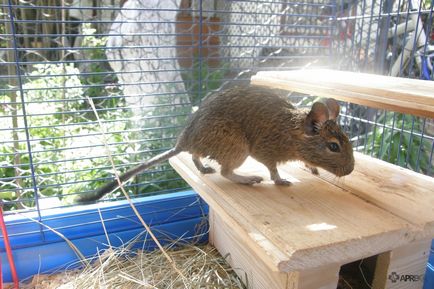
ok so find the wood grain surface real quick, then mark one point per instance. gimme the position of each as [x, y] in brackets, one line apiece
[403, 95]
[307, 225]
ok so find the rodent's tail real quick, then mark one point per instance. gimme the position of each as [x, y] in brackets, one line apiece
[107, 188]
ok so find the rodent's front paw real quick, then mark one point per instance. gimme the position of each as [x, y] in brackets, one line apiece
[314, 171]
[282, 182]
[248, 180]
[254, 180]
[207, 170]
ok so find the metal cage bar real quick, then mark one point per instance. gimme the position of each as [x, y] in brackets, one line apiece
[146, 66]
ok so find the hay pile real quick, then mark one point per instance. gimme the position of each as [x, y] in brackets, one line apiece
[202, 267]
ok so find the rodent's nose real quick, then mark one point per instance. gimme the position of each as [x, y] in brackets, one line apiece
[348, 169]
[344, 170]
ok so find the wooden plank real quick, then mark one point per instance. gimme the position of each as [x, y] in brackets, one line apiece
[264, 250]
[245, 262]
[308, 225]
[402, 268]
[254, 272]
[402, 192]
[404, 95]
[325, 277]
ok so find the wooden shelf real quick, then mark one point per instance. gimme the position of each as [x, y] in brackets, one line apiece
[299, 236]
[400, 191]
[318, 223]
[384, 92]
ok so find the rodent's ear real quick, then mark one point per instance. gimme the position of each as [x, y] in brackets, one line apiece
[315, 118]
[333, 108]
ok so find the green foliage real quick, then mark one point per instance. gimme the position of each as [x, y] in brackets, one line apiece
[58, 128]
[3, 42]
[45, 82]
[97, 73]
[203, 79]
[427, 4]
[169, 119]
[68, 150]
[7, 171]
[63, 129]
[400, 141]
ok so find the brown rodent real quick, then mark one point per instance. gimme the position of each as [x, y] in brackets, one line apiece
[250, 120]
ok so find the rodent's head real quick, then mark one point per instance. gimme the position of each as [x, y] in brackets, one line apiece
[326, 145]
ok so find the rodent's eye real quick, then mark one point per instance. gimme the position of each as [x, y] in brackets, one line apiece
[334, 147]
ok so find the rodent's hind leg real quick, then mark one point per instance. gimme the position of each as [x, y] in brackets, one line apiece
[313, 170]
[274, 174]
[245, 180]
[204, 169]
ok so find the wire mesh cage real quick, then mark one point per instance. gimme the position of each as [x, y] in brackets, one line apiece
[86, 81]
[386, 37]
[90, 87]
[391, 38]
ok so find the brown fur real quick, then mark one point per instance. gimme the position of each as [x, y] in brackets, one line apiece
[243, 121]
[238, 122]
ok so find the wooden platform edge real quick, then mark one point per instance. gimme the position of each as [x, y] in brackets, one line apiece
[267, 252]
[343, 95]
[418, 212]
[370, 246]
[301, 259]
[254, 273]
[244, 261]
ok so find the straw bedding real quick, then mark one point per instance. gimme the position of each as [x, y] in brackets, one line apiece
[201, 266]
